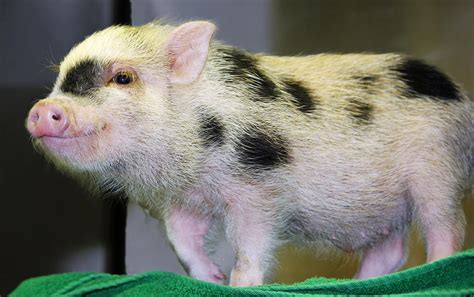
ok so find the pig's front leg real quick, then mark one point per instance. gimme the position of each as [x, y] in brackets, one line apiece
[251, 236]
[186, 232]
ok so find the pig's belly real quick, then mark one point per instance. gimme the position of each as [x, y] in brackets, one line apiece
[347, 226]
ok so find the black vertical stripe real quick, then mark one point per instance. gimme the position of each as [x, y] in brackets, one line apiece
[122, 12]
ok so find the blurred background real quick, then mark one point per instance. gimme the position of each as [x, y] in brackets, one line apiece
[49, 225]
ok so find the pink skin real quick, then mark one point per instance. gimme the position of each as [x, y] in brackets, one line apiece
[442, 244]
[384, 258]
[186, 232]
[251, 249]
[47, 120]
[55, 118]
[250, 232]
[67, 130]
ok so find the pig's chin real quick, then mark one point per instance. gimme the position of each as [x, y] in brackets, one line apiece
[79, 151]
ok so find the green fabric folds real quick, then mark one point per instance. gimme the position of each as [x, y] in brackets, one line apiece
[453, 276]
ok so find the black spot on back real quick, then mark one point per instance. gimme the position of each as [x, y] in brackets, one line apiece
[425, 80]
[82, 78]
[360, 112]
[260, 151]
[243, 67]
[300, 95]
[211, 129]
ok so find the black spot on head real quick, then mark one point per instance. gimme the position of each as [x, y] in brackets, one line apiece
[243, 67]
[360, 112]
[211, 129]
[300, 96]
[81, 79]
[425, 80]
[260, 151]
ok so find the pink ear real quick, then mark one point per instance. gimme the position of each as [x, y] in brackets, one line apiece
[188, 47]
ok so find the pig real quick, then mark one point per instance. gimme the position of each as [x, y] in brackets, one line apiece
[327, 151]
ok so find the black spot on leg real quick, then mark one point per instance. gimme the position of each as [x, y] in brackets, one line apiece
[360, 112]
[211, 129]
[425, 80]
[81, 79]
[243, 67]
[300, 95]
[259, 151]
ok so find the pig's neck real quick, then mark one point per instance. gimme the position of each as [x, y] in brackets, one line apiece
[205, 121]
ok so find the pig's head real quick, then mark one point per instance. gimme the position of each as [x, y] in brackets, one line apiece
[112, 101]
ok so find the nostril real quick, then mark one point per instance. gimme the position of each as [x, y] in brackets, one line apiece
[56, 117]
[34, 117]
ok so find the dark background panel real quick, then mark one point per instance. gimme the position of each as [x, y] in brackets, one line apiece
[48, 224]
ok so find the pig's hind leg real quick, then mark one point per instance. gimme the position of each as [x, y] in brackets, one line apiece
[187, 233]
[383, 258]
[436, 187]
[440, 217]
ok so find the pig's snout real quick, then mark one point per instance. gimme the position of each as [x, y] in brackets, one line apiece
[47, 119]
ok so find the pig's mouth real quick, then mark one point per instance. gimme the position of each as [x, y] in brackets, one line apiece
[73, 134]
[71, 144]
[60, 143]
[45, 137]
[65, 135]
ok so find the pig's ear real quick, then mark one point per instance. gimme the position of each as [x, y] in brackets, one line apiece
[188, 47]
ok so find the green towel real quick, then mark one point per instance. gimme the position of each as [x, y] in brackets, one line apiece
[453, 276]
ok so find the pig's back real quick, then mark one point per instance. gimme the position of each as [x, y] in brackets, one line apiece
[344, 137]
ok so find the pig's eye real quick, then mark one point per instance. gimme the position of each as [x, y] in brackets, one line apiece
[123, 78]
